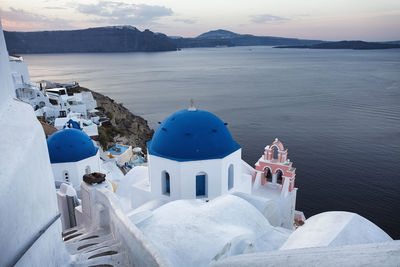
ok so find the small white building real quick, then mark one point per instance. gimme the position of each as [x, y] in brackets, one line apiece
[75, 120]
[72, 154]
[82, 103]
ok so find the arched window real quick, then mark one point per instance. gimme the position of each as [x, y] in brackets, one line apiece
[268, 174]
[279, 177]
[275, 152]
[201, 185]
[66, 176]
[87, 170]
[230, 177]
[165, 183]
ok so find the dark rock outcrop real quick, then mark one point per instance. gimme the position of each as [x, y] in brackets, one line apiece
[103, 39]
[355, 45]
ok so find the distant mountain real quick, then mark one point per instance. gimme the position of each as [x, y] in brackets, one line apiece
[102, 39]
[228, 38]
[356, 45]
[218, 34]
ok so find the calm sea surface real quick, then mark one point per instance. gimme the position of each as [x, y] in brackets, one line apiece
[337, 112]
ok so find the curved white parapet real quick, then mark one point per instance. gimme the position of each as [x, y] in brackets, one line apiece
[101, 210]
[268, 207]
[374, 254]
[335, 228]
[194, 232]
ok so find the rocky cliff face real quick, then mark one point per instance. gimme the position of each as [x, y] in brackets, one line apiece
[103, 39]
[125, 127]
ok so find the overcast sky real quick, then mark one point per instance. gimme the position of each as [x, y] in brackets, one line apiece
[371, 20]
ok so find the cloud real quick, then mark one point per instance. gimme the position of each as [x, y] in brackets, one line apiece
[265, 18]
[55, 7]
[19, 19]
[122, 13]
[186, 21]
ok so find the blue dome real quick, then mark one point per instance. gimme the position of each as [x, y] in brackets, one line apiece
[70, 145]
[192, 135]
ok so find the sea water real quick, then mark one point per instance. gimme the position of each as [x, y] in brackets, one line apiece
[337, 111]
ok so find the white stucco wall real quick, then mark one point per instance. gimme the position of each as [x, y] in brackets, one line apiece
[268, 207]
[183, 176]
[58, 172]
[27, 193]
[49, 242]
[375, 254]
[101, 208]
[19, 73]
[194, 232]
[87, 98]
[79, 108]
[6, 84]
[335, 228]
[76, 170]
[91, 130]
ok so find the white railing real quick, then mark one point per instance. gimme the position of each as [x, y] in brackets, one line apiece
[141, 251]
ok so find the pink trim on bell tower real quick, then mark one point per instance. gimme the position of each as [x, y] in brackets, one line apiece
[274, 165]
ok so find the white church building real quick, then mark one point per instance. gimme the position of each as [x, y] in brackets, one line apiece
[72, 154]
[192, 155]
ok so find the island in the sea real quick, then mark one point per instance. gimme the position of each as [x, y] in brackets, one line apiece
[355, 45]
[218, 38]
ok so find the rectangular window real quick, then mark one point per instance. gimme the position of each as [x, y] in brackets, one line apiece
[230, 177]
[201, 185]
[165, 183]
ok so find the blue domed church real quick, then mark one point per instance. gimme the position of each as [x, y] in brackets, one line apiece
[72, 154]
[193, 155]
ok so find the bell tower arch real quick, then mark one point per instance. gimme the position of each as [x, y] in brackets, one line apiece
[274, 166]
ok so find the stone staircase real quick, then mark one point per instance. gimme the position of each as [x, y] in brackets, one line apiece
[92, 248]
